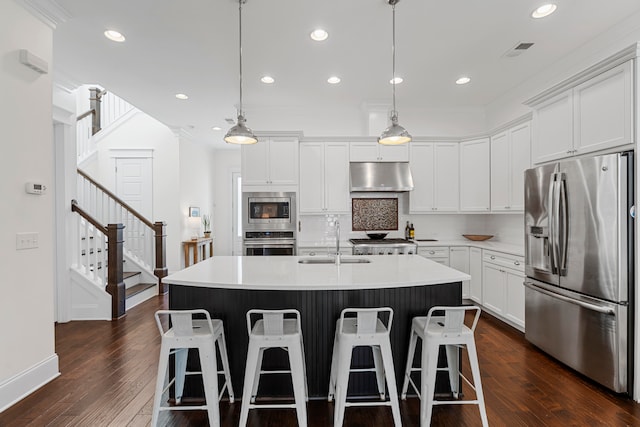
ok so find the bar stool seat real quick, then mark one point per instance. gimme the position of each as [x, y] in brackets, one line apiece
[448, 330]
[365, 329]
[202, 334]
[275, 329]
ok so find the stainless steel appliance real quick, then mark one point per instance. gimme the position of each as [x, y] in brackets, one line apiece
[380, 176]
[579, 240]
[269, 223]
[383, 247]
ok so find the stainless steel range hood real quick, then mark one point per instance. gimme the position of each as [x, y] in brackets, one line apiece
[380, 176]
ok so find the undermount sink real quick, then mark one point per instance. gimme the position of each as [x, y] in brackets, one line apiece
[333, 261]
[426, 240]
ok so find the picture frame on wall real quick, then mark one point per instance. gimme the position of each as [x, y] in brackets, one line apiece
[194, 211]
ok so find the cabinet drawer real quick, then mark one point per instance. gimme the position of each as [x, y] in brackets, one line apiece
[514, 262]
[434, 252]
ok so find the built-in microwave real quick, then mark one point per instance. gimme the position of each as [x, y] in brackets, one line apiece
[269, 211]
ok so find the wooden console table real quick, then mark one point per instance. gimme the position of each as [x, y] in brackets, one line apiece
[197, 244]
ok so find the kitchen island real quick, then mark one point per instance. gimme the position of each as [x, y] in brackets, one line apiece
[230, 286]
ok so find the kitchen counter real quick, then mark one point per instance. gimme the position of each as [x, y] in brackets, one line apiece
[285, 273]
[230, 286]
[498, 246]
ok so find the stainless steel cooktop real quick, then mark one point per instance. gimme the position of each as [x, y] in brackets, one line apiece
[383, 247]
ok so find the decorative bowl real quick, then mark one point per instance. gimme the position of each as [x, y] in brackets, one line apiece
[477, 237]
[377, 236]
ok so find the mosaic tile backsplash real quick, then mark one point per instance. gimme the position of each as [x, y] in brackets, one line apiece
[374, 214]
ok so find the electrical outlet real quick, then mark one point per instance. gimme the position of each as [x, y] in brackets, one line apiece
[27, 240]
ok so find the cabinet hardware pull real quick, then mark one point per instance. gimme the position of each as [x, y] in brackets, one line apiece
[493, 257]
[516, 262]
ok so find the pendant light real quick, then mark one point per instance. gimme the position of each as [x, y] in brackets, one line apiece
[394, 134]
[240, 133]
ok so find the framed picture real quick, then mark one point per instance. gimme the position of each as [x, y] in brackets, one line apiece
[194, 211]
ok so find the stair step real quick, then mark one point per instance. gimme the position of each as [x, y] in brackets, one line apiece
[140, 287]
[127, 274]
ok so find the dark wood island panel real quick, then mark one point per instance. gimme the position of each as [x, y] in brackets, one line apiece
[319, 311]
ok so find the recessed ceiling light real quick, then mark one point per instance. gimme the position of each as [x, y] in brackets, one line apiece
[267, 79]
[463, 80]
[544, 10]
[396, 80]
[333, 80]
[114, 35]
[319, 35]
[182, 96]
[216, 128]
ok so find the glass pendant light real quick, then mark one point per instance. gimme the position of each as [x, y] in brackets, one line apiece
[394, 134]
[240, 133]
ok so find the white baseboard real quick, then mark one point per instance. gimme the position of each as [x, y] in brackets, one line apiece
[20, 386]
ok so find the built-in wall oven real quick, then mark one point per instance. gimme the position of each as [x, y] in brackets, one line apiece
[269, 223]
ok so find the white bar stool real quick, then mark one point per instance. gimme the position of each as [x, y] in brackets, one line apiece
[366, 328]
[448, 330]
[185, 333]
[275, 329]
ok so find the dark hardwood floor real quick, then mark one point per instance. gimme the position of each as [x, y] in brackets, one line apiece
[109, 369]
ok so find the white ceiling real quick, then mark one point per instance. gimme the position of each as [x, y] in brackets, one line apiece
[191, 46]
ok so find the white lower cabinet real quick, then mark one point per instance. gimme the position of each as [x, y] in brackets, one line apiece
[475, 271]
[439, 254]
[503, 286]
[459, 259]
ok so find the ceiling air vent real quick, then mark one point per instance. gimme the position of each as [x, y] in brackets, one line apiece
[517, 50]
[230, 121]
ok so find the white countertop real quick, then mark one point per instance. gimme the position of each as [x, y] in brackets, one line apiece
[285, 273]
[510, 248]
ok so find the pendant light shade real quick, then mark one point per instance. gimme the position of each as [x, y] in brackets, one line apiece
[240, 133]
[394, 134]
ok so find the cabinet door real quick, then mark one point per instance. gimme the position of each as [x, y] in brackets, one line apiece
[474, 175]
[255, 163]
[459, 259]
[447, 189]
[393, 153]
[475, 270]
[520, 160]
[311, 195]
[336, 177]
[422, 164]
[553, 128]
[514, 309]
[493, 288]
[283, 161]
[500, 172]
[364, 152]
[603, 108]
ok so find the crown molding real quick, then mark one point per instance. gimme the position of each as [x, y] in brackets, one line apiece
[47, 11]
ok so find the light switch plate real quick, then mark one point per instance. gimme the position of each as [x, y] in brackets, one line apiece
[27, 240]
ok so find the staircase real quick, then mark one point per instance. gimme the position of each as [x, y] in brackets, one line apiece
[120, 258]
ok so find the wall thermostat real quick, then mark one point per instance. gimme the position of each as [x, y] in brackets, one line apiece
[35, 188]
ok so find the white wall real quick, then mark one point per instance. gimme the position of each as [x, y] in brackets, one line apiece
[26, 308]
[226, 162]
[144, 132]
[196, 185]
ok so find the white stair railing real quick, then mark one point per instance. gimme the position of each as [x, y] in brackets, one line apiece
[109, 108]
[104, 206]
[91, 256]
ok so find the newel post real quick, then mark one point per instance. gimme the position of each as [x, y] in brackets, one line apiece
[115, 283]
[160, 270]
[95, 99]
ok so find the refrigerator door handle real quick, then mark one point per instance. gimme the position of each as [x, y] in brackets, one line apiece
[550, 204]
[563, 225]
[588, 306]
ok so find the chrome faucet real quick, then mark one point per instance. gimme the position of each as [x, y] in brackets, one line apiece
[337, 225]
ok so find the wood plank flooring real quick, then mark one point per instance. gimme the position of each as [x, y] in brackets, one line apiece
[109, 369]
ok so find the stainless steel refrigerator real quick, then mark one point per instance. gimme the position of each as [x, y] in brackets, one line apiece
[579, 240]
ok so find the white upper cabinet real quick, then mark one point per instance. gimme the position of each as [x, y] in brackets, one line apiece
[434, 167]
[272, 162]
[603, 110]
[324, 177]
[510, 157]
[374, 152]
[592, 115]
[475, 171]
